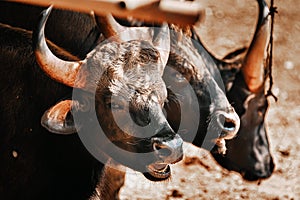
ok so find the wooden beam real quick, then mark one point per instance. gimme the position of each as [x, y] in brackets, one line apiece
[180, 13]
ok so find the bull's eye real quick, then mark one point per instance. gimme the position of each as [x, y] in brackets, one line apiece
[115, 106]
[145, 58]
[260, 111]
[114, 102]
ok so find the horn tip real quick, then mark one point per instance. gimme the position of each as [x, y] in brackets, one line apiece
[45, 13]
[38, 33]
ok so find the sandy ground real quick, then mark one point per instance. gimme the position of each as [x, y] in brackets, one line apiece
[199, 176]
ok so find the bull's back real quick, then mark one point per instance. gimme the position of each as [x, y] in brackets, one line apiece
[36, 164]
[73, 31]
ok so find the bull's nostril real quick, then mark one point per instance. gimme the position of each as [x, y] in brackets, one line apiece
[156, 147]
[229, 125]
[167, 150]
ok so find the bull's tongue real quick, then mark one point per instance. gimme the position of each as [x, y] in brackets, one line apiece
[158, 171]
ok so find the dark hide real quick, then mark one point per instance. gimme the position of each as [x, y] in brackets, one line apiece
[79, 175]
[78, 41]
[36, 164]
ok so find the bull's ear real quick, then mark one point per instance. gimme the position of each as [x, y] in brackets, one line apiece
[162, 44]
[58, 119]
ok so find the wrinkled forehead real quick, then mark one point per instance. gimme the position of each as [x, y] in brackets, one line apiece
[129, 58]
[133, 68]
[146, 86]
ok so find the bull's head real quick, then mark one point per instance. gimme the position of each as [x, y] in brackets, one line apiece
[249, 152]
[196, 106]
[215, 119]
[121, 80]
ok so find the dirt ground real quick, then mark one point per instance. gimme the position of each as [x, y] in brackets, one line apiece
[230, 24]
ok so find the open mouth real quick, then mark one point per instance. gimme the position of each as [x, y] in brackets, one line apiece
[158, 172]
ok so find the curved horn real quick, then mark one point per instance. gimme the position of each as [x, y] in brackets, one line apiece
[109, 26]
[65, 72]
[253, 66]
[162, 44]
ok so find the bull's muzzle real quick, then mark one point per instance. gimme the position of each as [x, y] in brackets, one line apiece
[228, 122]
[168, 151]
[167, 148]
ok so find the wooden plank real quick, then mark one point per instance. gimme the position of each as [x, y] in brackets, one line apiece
[185, 13]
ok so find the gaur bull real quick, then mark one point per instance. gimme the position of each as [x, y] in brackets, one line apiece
[125, 78]
[244, 77]
[49, 162]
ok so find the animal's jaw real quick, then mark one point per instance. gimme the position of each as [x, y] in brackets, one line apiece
[158, 172]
